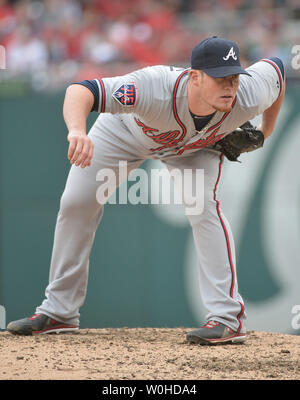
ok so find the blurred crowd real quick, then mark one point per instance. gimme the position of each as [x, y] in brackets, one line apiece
[54, 42]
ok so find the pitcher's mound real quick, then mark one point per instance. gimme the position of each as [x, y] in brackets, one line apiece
[146, 353]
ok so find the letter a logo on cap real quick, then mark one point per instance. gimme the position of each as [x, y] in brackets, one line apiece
[231, 53]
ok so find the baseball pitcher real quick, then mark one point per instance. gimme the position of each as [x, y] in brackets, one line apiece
[187, 118]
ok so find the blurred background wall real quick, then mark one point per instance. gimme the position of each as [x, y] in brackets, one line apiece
[143, 267]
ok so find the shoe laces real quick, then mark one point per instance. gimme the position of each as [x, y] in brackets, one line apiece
[35, 316]
[210, 324]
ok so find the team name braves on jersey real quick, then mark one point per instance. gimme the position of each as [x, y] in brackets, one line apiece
[173, 138]
[166, 139]
[126, 94]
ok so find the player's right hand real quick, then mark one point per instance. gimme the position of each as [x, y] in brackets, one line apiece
[81, 149]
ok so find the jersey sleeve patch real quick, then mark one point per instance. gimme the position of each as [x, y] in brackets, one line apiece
[126, 94]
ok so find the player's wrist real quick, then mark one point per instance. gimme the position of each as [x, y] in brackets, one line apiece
[77, 132]
[266, 129]
[260, 128]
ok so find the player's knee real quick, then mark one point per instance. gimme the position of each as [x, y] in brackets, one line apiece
[202, 213]
[76, 204]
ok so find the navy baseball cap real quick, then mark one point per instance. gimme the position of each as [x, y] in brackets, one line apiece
[217, 57]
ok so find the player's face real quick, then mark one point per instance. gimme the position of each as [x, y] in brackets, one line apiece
[218, 93]
[224, 91]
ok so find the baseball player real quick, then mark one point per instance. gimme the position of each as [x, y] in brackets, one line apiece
[182, 117]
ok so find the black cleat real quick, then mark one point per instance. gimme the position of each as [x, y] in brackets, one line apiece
[215, 333]
[39, 324]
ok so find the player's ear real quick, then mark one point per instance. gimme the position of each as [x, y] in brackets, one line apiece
[195, 76]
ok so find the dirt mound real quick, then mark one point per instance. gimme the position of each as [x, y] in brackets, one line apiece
[146, 354]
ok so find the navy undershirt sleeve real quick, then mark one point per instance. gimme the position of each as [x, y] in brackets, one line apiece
[93, 87]
[279, 64]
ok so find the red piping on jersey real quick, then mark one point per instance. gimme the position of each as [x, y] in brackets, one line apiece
[211, 138]
[174, 106]
[102, 96]
[224, 116]
[227, 242]
[277, 70]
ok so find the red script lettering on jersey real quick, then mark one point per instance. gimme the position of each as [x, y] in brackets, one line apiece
[166, 139]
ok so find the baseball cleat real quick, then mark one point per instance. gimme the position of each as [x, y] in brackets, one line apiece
[39, 324]
[215, 333]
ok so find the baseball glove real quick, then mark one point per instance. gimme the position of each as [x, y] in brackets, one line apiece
[244, 139]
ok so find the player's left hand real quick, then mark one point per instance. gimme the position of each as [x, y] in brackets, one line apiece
[246, 138]
[81, 149]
